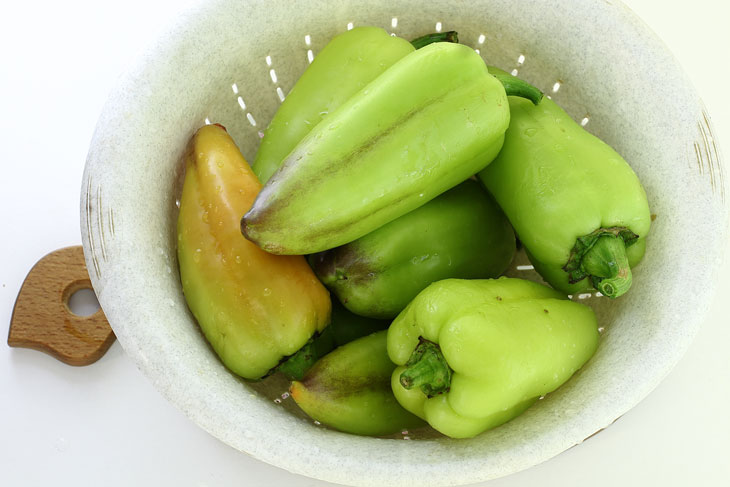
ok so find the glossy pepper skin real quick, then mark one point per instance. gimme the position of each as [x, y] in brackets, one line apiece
[429, 122]
[349, 390]
[473, 354]
[345, 65]
[253, 307]
[574, 202]
[344, 328]
[461, 233]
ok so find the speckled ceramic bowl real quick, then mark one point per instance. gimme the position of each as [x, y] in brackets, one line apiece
[233, 61]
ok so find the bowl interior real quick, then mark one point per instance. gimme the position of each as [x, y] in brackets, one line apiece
[233, 62]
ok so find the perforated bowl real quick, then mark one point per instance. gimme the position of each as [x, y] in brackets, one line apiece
[232, 62]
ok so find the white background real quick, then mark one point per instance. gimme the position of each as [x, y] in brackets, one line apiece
[106, 425]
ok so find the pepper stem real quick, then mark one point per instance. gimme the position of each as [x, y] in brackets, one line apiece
[295, 366]
[608, 265]
[451, 36]
[514, 86]
[427, 368]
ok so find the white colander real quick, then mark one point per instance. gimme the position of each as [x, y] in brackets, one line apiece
[233, 62]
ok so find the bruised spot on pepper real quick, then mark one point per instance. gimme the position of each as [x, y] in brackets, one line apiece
[346, 263]
[323, 384]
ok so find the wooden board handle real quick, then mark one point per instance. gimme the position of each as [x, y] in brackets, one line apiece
[41, 317]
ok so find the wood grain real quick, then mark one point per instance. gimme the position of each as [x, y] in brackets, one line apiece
[41, 317]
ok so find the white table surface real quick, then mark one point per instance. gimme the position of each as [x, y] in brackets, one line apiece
[106, 425]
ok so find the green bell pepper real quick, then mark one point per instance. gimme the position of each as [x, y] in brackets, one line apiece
[429, 122]
[473, 354]
[349, 390]
[255, 309]
[342, 68]
[461, 233]
[575, 203]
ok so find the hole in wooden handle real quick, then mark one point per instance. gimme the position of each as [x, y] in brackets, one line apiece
[80, 299]
[44, 319]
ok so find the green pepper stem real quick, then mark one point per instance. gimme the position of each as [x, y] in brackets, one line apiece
[427, 368]
[451, 36]
[295, 366]
[514, 86]
[608, 266]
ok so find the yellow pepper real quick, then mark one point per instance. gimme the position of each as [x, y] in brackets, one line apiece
[254, 308]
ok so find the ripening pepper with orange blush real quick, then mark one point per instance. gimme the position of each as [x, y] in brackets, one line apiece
[253, 307]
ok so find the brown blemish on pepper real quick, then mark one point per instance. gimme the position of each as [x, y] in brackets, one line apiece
[345, 263]
[321, 383]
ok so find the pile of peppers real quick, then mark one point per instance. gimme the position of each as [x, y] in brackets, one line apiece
[360, 255]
